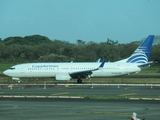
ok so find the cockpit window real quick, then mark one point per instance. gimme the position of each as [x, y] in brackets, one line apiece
[11, 68]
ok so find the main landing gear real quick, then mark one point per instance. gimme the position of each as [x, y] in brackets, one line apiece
[79, 80]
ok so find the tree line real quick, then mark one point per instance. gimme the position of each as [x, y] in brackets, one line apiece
[37, 48]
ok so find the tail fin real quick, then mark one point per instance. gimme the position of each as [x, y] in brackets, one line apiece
[142, 53]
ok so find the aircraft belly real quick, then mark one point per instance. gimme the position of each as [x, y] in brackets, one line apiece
[108, 73]
[39, 74]
[101, 74]
[18, 75]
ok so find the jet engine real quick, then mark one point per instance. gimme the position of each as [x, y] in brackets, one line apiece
[63, 76]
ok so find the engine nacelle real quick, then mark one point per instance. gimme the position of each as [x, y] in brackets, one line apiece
[62, 76]
[15, 78]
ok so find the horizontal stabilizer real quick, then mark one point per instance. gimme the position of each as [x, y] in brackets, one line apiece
[145, 64]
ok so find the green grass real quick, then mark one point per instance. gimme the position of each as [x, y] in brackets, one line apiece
[152, 69]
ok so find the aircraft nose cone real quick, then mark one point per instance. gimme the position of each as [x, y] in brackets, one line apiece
[5, 72]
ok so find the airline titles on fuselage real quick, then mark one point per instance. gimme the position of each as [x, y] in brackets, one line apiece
[35, 66]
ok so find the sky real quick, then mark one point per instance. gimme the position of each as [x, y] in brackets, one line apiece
[87, 20]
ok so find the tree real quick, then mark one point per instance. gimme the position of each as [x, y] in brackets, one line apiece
[40, 48]
[53, 58]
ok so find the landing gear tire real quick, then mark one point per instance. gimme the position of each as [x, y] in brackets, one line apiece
[79, 80]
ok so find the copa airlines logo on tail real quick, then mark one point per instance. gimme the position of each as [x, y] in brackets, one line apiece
[142, 53]
[139, 56]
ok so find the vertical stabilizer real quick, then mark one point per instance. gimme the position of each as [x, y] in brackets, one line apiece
[142, 53]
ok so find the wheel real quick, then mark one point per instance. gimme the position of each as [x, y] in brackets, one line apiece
[79, 80]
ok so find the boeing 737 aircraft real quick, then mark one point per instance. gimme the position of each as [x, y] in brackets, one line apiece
[65, 71]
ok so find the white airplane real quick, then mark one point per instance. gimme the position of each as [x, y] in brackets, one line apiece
[65, 71]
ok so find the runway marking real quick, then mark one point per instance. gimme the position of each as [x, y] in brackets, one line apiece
[9, 96]
[8, 106]
[126, 88]
[143, 98]
[60, 93]
[127, 94]
[108, 112]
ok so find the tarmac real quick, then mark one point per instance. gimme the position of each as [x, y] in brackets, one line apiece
[78, 109]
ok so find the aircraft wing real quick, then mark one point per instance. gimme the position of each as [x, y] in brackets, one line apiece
[81, 74]
[86, 73]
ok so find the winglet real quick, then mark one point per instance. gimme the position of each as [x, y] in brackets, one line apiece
[102, 64]
[99, 59]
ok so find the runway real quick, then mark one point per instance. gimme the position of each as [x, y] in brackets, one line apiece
[76, 109]
[71, 109]
[125, 91]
